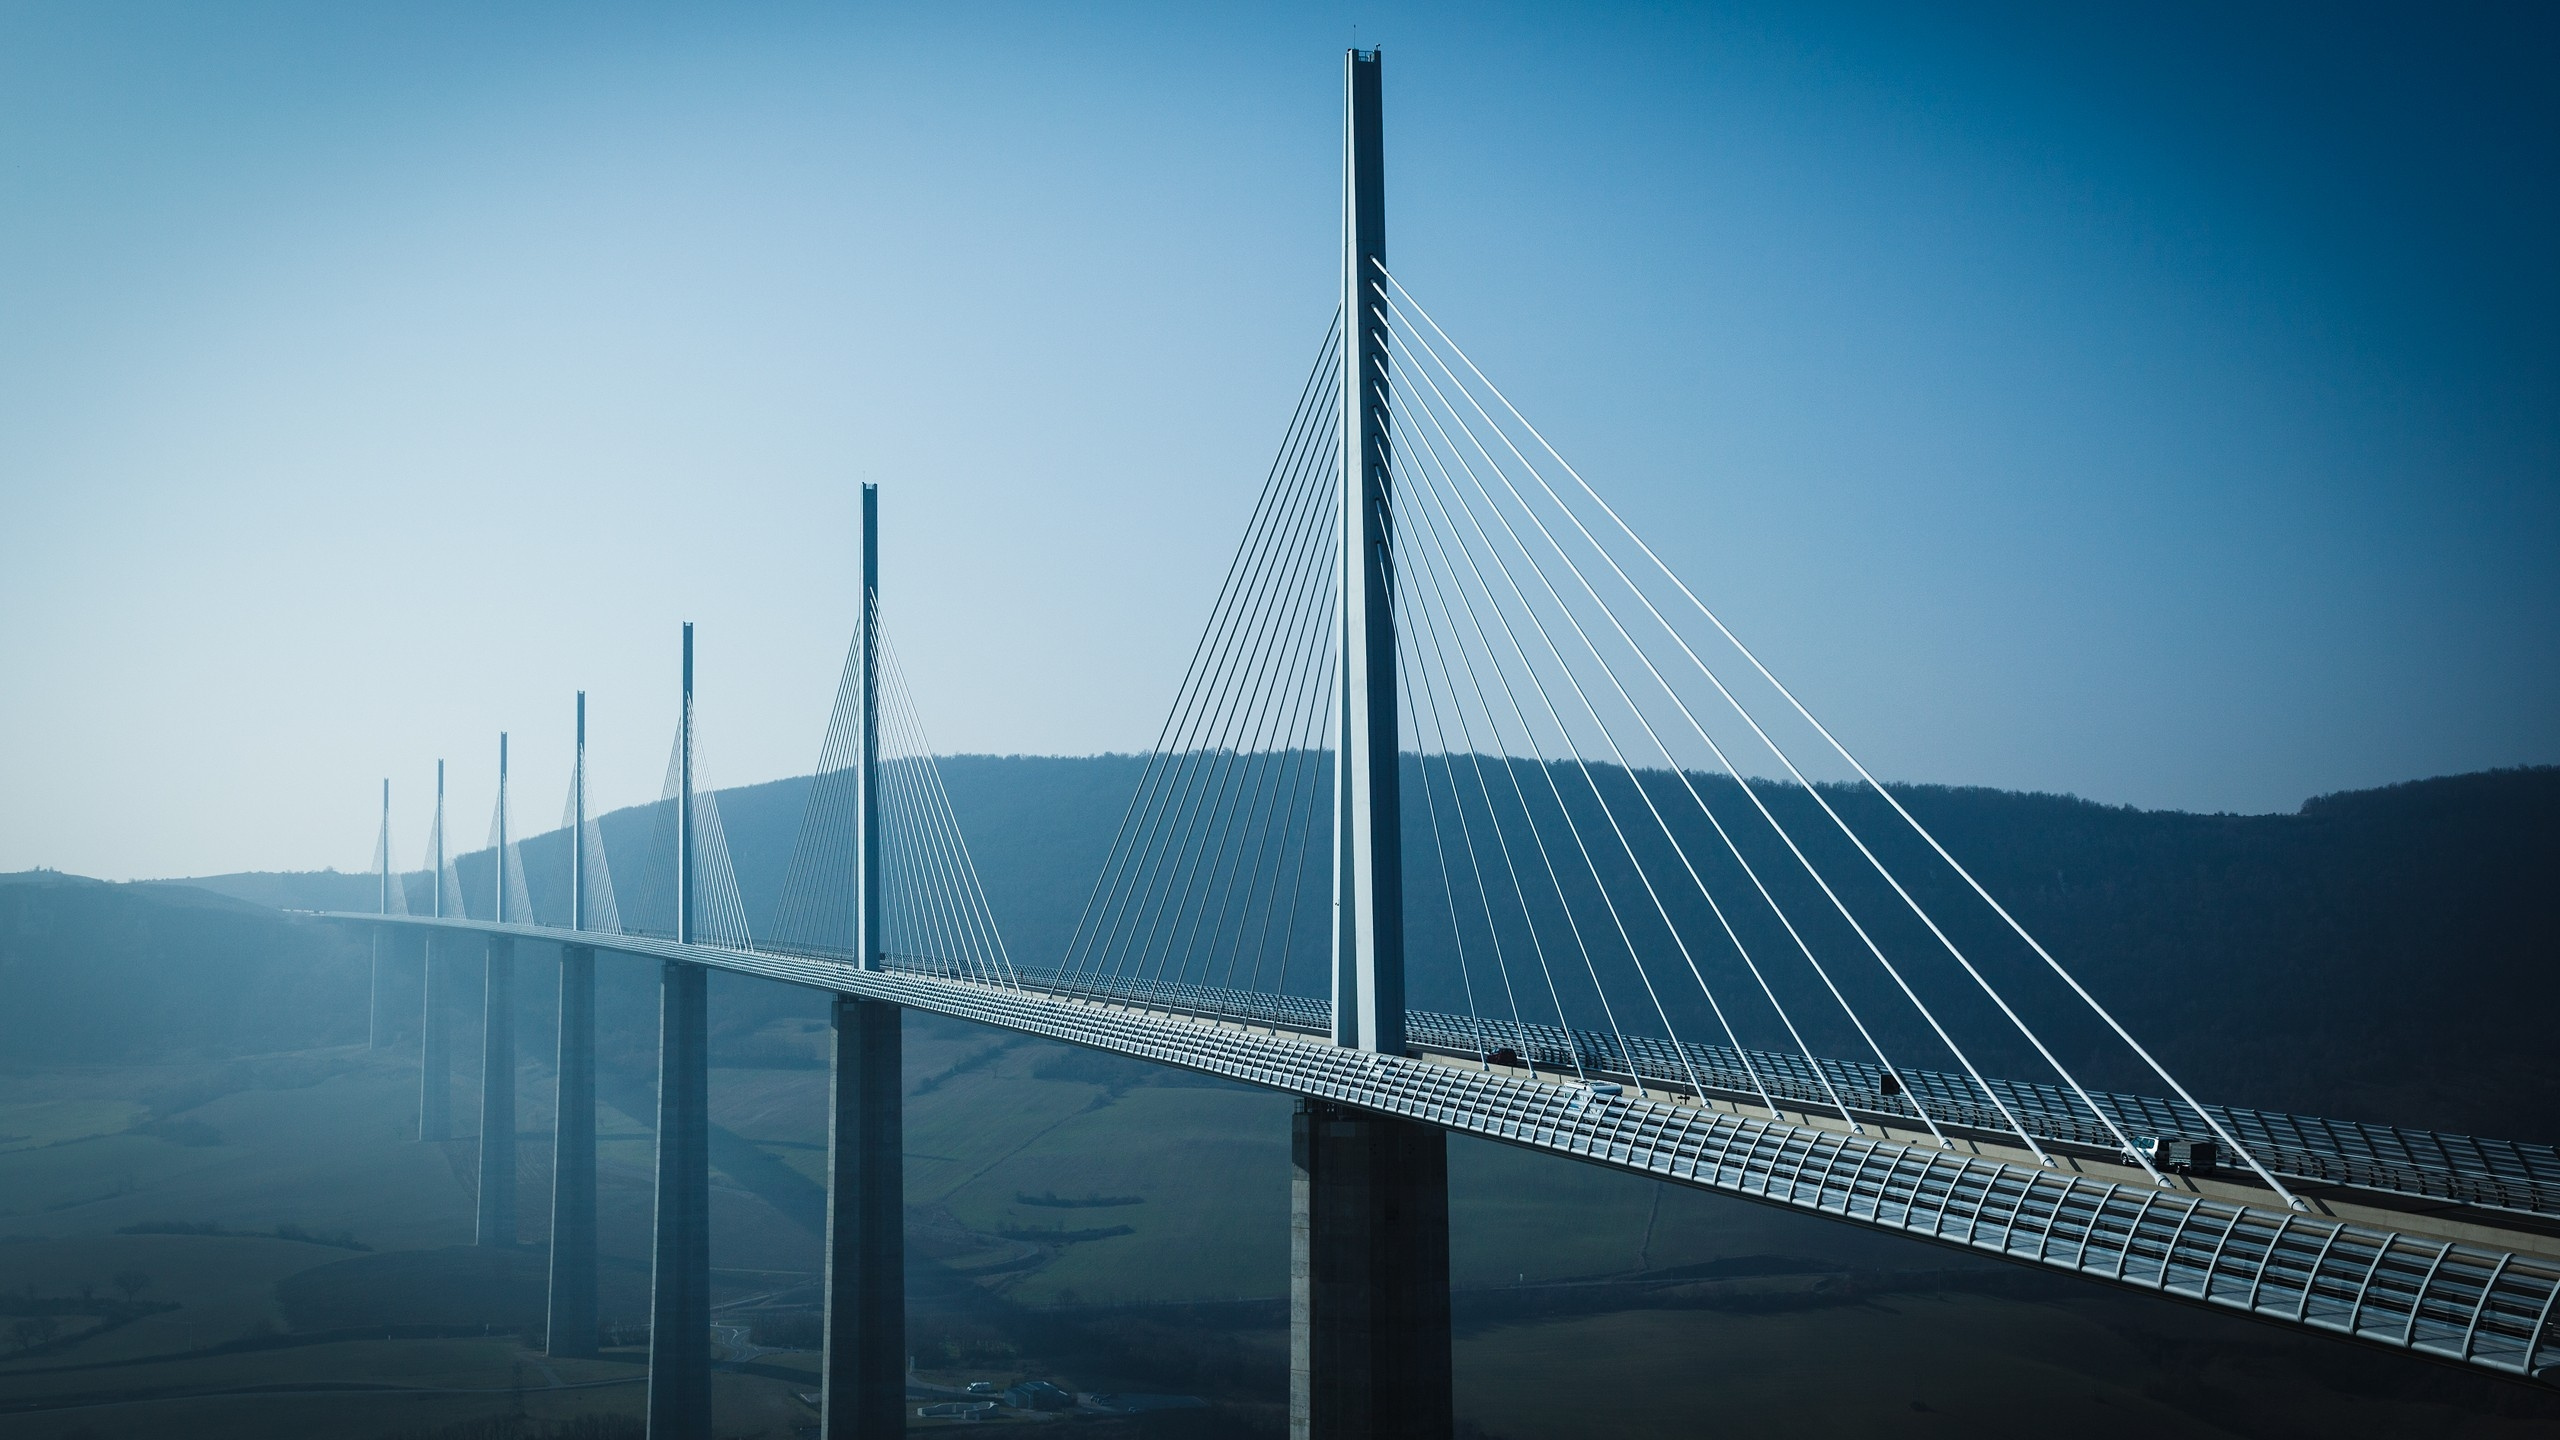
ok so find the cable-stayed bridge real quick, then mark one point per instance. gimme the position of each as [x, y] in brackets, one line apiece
[1469, 815]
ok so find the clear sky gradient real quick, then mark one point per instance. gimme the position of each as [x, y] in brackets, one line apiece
[2155, 403]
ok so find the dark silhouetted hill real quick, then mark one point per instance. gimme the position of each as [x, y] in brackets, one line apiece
[95, 973]
[2388, 954]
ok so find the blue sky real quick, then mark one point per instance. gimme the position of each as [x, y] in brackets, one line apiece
[2153, 403]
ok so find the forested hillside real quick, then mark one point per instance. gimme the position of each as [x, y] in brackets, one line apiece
[2386, 954]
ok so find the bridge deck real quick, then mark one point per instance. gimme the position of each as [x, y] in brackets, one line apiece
[2411, 1165]
[2456, 1288]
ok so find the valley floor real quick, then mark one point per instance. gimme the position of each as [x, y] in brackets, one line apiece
[259, 1247]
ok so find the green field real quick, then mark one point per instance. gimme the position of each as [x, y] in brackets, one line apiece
[1071, 1216]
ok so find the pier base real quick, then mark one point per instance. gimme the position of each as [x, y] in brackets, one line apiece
[1368, 1277]
[571, 1330]
[680, 1252]
[497, 1218]
[864, 1373]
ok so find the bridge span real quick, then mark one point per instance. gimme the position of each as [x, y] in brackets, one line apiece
[1449, 705]
[2470, 1284]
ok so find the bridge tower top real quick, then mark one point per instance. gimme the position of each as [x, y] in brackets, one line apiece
[1368, 896]
[500, 850]
[386, 845]
[867, 833]
[439, 834]
[578, 821]
[684, 797]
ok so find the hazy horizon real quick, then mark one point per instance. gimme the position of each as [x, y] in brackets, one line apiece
[2154, 408]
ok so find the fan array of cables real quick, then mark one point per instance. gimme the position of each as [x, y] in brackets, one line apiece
[1604, 849]
[934, 912]
[1217, 872]
[1629, 850]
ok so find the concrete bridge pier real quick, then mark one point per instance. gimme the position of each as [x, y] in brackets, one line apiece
[680, 1251]
[1368, 1277]
[435, 1054]
[497, 1220]
[572, 1326]
[864, 1379]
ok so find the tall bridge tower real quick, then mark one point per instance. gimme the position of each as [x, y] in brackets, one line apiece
[863, 1389]
[1369, 1194]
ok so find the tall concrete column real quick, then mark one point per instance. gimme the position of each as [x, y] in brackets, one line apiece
[572, 1328]
[497, 1222]
[435, 1054]
[1368, 855]
[864, 1373]
[435, 1039]
[1368, 1277]
[680, 1252]
[373, 994]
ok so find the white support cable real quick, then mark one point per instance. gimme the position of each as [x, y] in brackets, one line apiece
[1493, 819]
[724, 907]
[1510, 769]
[1837, 904]
[1679, 850]
[1301, 551]
[962, 901]
[813, 909]
[394, 881]
[1634, 956]
[928, 921]
[1440, 849]
[1814, 792]
[1803, 947]
[1467, 842]
[1305, 689]
[942, 900]
[665, 825]
[1296, 589]
[604, 909]
[1264, 507]
[939, 899]
[1319, 746]
[1286, 716]
[953, 841]
[1280, 497]
[1628, 768]
[1502, 844]
[1466, 839]
[1872, 783]
[1529, 736]
[923, 928]
[1171, 759]
[1299, 656]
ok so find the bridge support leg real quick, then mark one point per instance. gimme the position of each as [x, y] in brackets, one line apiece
[435, 1055]
[497, 1224]
[373, 997]
[680, 1254]
[1368, 1277]
[864, 1386]
[572, 1327]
